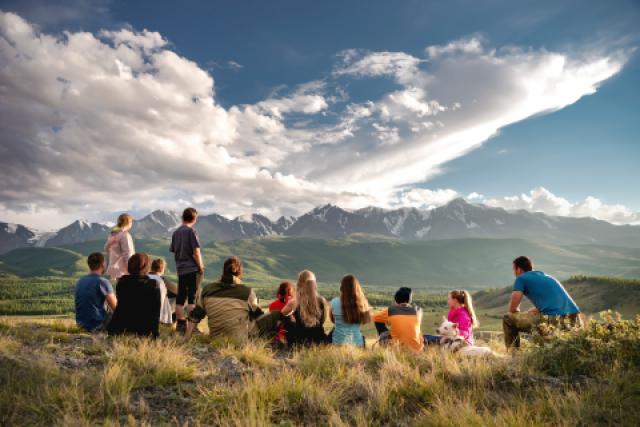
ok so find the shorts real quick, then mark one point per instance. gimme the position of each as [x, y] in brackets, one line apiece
[188, 286]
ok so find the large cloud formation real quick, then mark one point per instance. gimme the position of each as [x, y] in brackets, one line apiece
[118, 121]
[542, 200]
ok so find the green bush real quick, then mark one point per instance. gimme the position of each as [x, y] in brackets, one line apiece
[591, 350]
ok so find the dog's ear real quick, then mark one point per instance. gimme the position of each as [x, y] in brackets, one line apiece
[455, 325]
[444, 319]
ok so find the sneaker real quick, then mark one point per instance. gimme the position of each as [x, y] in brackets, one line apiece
[181, 328]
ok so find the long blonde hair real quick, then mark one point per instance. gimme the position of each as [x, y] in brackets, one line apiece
[307, 296]
[353, 304]
[464, 298]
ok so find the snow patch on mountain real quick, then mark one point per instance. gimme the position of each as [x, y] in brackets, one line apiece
[472, 225]
[11, 228]
[245, 218]
[423, 232]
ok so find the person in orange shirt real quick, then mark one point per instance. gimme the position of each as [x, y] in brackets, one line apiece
[404, 321]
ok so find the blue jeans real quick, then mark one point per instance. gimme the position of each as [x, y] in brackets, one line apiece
[431, 340]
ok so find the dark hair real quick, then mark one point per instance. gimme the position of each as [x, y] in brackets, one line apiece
[95, 261]
[189, 215]
[285, 290]
[139, 264]
[232, 266]
[354, 306]
[523, 262]
[403, 296]
[158, 264]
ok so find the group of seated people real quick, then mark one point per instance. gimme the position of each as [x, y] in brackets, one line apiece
[298, 315]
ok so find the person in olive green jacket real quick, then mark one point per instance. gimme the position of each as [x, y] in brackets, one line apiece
[232, 308]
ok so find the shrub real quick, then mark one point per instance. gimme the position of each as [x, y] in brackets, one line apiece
[591, 350]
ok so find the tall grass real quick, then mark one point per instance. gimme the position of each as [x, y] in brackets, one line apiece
[323, 386]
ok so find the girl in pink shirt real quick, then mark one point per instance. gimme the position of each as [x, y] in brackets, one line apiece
[461, 312]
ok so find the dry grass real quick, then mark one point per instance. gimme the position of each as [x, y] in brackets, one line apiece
[335, 386]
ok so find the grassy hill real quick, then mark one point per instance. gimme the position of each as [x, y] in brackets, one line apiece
[52, 373]
[387, 262]
[381, 264]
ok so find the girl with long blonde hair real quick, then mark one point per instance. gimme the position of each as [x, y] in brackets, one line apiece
[308, 310]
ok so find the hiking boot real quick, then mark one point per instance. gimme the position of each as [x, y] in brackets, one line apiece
[181, 328]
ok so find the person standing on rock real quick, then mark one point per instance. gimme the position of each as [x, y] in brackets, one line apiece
[185, 246]
[232, 308]
[552, 304]
[120, 247]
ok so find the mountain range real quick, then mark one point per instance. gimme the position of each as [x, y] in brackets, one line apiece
[457, 219]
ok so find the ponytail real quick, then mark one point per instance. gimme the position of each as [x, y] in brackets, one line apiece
[464, 298]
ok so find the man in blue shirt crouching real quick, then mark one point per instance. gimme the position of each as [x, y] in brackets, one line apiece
[552, 304]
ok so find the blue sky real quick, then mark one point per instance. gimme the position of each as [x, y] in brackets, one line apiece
[315, 102]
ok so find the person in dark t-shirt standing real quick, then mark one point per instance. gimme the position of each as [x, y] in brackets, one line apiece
[186, 251]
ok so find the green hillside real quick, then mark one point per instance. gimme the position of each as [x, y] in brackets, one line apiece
[43, 262]
[381, 262]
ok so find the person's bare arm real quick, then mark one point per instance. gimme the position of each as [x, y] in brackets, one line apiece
[112, 301]
[516, 299]
[290, 307]
[198, 258]
[533, 310]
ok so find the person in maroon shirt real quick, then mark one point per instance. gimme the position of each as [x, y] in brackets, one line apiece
[284, 293]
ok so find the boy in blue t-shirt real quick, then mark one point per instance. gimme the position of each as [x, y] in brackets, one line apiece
[552, 303]
[91, 293]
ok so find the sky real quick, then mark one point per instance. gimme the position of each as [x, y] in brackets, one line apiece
[277, 107]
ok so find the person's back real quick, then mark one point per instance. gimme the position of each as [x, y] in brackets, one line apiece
[90, 294]
[226, 303]
[165, 306]
[344, 333]
[120, 247]
[404, 321]
[284, 294]
[232, 308]
[138, 310]
[309, 334]
[546, 293]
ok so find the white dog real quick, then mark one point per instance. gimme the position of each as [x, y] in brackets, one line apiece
[451, 341]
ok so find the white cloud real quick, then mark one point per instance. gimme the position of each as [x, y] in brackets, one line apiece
[474, 196]
[117, 121]
[419, 197]
[542, 200]
[466, 46]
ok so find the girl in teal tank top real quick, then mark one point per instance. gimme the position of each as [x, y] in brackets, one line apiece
[349, 312]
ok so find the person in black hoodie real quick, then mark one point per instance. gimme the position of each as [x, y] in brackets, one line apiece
[138, 310]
